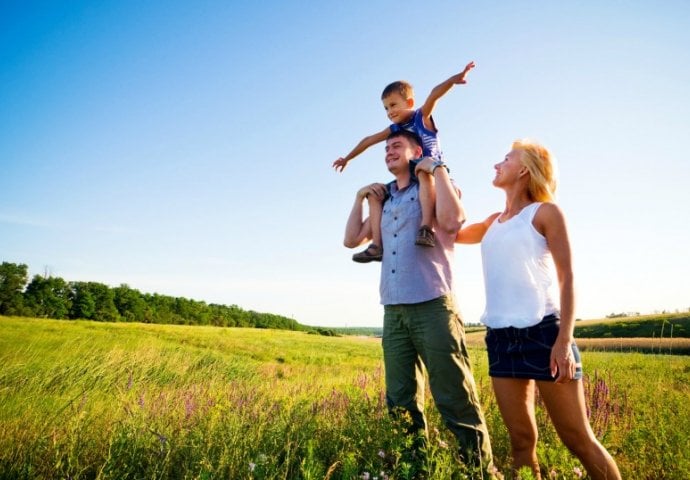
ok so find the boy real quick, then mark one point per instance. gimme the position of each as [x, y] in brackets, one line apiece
[398, 101]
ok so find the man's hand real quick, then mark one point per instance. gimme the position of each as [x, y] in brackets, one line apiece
[459, 79]
[427, 165]
[340, 164]
[378, 189]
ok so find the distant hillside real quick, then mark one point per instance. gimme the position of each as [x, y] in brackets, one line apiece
[378, 331]
[359, 331]
[673, 325]
[670, 325]
[662, 333]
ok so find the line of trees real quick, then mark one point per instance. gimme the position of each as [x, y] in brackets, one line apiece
[53, 297]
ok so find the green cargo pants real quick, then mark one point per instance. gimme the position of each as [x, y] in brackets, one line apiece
[433, 333]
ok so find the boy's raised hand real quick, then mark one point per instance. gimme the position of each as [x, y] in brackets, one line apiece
[340, 164]
[460, 77]
[440, 90]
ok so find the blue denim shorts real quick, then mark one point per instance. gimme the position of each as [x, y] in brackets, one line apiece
[526, 352]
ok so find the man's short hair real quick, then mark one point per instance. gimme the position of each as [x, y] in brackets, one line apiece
[412, 137]
[402, 87]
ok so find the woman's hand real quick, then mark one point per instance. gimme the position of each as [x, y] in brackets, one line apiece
[562, 361]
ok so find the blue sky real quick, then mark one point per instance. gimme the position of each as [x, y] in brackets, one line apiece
[184, 148]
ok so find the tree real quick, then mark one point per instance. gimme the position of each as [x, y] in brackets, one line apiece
[13, 278]
[105, 302]
[130, 304]
[53, 297]
[48, 297]
[83, 303]
[93, 301]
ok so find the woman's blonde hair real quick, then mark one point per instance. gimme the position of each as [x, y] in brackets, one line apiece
[542, 169]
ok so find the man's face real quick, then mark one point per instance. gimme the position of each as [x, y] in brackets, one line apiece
[398, 108]
[399, 152]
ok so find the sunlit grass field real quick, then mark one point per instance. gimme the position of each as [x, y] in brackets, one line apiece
[84, 400]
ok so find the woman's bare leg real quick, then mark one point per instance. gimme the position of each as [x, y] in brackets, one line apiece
[565, 403]
[515, 398]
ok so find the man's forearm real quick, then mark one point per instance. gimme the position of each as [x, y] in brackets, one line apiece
[450, 213]
[354, 229]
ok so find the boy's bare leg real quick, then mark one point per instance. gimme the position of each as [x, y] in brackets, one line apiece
[374, 252]
[427, 199]
[375, 213]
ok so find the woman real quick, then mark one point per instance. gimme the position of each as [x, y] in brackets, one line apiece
[529, 337]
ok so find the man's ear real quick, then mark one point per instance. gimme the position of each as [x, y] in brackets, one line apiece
[410, 102]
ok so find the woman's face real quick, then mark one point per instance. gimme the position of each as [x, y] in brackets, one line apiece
[509, 170]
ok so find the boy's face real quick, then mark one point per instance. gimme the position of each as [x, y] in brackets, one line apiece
[397, 108]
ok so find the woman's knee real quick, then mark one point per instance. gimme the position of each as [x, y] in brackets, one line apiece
[523, 439]
[579, 442]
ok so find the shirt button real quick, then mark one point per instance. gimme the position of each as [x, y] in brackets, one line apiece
[393, 253]
[393, 271]
[395, 235]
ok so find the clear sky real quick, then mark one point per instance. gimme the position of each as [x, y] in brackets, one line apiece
[185, 148]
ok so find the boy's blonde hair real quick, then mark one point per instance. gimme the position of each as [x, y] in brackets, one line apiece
[401, 86]
[542, 169]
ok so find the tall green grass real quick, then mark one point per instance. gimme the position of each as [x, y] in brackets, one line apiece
[84, 400]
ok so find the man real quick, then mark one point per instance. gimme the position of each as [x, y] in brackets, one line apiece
[420, 323]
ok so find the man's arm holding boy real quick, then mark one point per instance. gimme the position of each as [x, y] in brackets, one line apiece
[358, 228]
[440, 90]
[448, 209]
[365, 143]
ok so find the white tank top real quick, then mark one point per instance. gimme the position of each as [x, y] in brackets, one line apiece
[518, 272]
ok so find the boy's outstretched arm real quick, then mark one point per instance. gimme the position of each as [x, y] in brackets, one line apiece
[365, 143]
[440, 90]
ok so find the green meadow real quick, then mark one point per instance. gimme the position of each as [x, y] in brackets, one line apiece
[92, 400]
